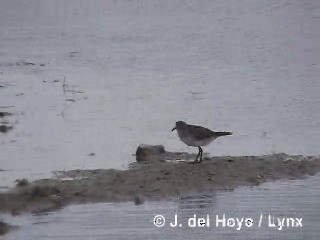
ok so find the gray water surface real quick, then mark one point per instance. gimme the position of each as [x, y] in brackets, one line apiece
[280, 199]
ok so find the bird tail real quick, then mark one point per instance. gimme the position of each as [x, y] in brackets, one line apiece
[223, 133]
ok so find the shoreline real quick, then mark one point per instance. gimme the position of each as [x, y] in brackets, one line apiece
[154, 181]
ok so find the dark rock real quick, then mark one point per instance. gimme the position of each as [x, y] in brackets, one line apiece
[150, 153]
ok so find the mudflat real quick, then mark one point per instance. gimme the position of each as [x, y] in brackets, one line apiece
[154, 180]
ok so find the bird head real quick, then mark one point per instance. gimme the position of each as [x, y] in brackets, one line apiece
[178, 124]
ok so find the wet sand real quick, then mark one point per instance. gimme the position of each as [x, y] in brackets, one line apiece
[154, 181]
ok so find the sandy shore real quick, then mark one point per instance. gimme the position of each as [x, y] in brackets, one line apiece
[154, 181]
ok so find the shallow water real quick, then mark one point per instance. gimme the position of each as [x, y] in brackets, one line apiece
[280, 199]
[88, 82]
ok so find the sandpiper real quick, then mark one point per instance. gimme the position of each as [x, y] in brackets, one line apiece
[196, 136]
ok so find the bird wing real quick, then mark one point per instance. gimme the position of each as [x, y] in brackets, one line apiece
[200, 132]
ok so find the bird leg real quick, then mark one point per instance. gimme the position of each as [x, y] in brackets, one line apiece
[199, 155]
[200, 152]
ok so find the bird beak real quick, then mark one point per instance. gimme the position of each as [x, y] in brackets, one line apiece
[173, 129]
